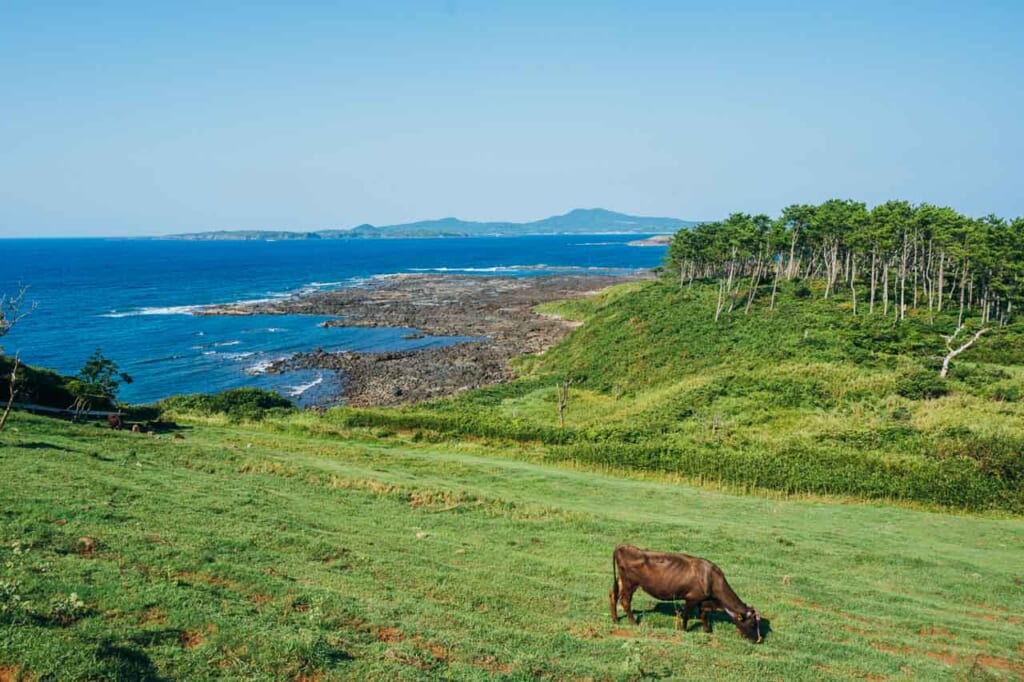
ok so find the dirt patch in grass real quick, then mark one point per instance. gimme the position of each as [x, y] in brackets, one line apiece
[1001, 663]
[207, 578]
[13, 673]
[585, 632]
[190, 639]
[946, 657]
[260, 599]
[153, 616]
[86, 546]
[491, 664]
[389, 635]
[434, 649]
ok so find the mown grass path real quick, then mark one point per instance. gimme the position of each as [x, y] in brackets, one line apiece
[252, 554]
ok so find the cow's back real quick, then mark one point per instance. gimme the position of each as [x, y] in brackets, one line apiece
[665, 575]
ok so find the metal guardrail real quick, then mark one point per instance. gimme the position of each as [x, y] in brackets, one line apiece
[29, 407]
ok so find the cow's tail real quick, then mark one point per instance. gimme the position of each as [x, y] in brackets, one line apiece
[613, 596]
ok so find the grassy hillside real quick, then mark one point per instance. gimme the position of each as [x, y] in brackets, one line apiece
[803, 398]
[295, 549]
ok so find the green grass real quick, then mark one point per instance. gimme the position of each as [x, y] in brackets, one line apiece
[298, 549]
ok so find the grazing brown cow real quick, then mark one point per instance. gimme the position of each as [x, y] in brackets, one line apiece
[114, 422]
[678, 577]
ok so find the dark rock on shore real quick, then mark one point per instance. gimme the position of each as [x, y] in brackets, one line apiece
[498, 310]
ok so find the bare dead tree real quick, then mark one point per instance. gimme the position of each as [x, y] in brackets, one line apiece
[12, 391]
[563, 400]
[12, 310]
[953, 352]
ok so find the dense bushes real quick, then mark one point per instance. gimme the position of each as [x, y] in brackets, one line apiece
[239, 404]
[38, 386]
[454, 424]
[960, 482]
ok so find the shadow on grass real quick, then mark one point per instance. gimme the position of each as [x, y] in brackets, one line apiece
[715, 618]
[40, 445]
[125, 663]
[156, 637]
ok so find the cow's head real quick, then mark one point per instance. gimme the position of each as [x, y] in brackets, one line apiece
[749, 624]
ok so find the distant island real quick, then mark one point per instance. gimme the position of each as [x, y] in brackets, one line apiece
[578, 221]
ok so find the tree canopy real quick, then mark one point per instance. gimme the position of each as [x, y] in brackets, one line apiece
[895, 257]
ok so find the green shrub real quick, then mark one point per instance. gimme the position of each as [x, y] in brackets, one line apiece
[921, 384]
[239, 404]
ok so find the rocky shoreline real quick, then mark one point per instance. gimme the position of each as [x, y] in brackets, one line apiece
[495, 312]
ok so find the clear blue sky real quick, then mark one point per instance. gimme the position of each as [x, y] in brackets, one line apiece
[145, 118]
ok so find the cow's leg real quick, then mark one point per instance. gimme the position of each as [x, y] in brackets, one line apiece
[705, 609]
[680, 614]
[687, 607]
[613, 599]
[627, 601]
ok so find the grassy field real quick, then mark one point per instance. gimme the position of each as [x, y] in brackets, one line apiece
[281, 551]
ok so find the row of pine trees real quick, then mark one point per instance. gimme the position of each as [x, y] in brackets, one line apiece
[891, 259]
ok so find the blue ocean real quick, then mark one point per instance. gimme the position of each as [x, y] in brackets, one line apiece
[134, 298]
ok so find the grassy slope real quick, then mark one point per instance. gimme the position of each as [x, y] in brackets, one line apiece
[783, 388]
[253, 552]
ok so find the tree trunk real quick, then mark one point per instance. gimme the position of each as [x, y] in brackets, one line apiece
[901, 313]
[963, 289]
[775, 283]
[941, 282]
[13, 391]
[721, 299]
[885, 289]
[792, 254]
[755, 280]
[871, 304]
[853, 287]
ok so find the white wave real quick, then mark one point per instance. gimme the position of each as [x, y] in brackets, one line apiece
[218, 344]
[262, 366]
[528, 268]
[166, 310]
[345, 283]
[239, 356]
[296, 391]
[192, 309]
[274, 330]
[496, 268]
